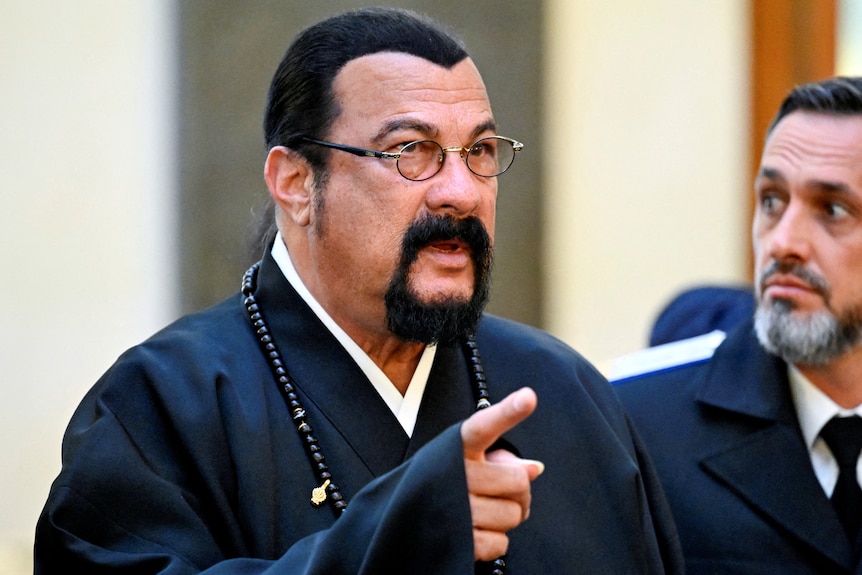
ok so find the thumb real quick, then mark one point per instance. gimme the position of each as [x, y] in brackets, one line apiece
[483, 428]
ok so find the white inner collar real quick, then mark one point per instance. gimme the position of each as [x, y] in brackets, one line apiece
[406, 407]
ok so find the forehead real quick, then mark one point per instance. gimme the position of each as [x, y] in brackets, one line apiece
[389, 88]
[812, 144]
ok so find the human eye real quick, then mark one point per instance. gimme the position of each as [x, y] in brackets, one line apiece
[836, 210]
[837, 204]
[484, 147]
[423, 148]
[396, 147]
[395, 143]
[769, 201]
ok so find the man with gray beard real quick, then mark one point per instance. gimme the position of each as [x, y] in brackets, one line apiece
[815, 339]
[757, 440]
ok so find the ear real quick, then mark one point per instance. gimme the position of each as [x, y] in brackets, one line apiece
[291, 183]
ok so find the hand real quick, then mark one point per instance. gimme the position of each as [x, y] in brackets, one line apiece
[498, 483]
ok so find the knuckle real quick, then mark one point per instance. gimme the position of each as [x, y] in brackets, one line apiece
[490, 544]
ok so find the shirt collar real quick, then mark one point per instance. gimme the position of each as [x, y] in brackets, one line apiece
[813, 407]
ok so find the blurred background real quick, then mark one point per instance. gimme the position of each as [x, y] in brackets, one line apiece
[131, 170]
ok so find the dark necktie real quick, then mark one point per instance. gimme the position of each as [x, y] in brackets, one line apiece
[843, 435]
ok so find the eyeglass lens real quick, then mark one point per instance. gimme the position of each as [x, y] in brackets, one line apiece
[487, 157]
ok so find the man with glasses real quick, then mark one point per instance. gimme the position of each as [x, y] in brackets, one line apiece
[353, 410]
[417, 161]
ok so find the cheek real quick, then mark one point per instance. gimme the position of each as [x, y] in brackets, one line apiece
[489, 215]
[758, 232]
[760, 262]
[490, 228]
[760, 243]
[377, 236]
[845, 274]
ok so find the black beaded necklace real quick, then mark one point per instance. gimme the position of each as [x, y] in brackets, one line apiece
[328, 489]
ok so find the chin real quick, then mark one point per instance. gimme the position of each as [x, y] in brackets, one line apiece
[446, 294]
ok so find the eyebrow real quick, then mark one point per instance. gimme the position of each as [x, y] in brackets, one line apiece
[834, 187]
[820, 185]
[770, 174]
[488, 126]
[426, 128]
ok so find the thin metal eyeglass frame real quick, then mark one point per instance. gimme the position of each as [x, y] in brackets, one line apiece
[366, 153]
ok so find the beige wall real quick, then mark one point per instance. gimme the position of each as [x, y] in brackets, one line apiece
[645, 125]
[86, 222]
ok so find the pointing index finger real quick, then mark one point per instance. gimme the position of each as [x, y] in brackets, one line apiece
[483, 428]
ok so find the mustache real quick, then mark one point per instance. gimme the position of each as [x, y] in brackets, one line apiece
[435, 228]
[817, 283]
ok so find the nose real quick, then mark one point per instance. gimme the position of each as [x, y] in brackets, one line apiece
[455, 189]
[788, 237]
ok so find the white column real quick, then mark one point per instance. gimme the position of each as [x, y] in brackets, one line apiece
[849, 38]
[87, 221]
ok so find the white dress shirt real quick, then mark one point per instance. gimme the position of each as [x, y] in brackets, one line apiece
[406, 407]
[814, 409]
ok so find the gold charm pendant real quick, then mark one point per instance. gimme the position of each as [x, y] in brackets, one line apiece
[318, 494]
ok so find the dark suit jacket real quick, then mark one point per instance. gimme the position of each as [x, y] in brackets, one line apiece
[725, 440]
[183, 459]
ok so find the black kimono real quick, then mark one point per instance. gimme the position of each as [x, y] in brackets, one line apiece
[184, 459]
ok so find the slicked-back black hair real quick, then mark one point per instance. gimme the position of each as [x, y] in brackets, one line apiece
[841, 96]
[301, 102]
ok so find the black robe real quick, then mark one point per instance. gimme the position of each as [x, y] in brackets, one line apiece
[183, 459]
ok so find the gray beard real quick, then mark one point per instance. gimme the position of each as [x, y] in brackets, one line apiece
[815, 339]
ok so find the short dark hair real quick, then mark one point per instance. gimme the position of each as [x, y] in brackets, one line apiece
[841, 95]
[300, 101]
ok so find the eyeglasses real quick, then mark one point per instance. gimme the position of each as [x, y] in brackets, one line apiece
[420, 160]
